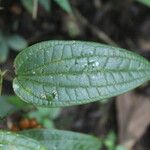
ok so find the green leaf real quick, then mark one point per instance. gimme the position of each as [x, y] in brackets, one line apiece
[48, 124]
[14, 141]
[1, 36]
[51, 113]
[8, 106]
[17, 102]
[65, 5]
[63, 73]
[3, 52]
[120, 147]
[145, 2]
[64, 140]
[17, 42]
[110, 140]
[45, 116]
[28, 4]
[3, 48]
[45, 4]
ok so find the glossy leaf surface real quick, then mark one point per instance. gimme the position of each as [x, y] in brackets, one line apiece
[63, 73]
[63, 140]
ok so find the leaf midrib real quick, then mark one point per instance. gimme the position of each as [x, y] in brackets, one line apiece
[84, 72]
[80, 57]
[73, 86]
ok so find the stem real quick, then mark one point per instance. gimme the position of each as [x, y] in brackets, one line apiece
[35, 9]
[1, 80]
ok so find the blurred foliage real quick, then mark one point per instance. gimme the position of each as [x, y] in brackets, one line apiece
[110, 142]
[3, 52]
[10, 104]
[28, 4]
[72, 27]
[45, 116]
[14, 42]
[64, 4]
[145, 2]
[2, 73]
[46, 4]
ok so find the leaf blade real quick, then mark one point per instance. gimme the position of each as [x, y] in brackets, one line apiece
[4, 50]
[28, 4]
[9, 104]
[63, 73]
[65, 5]
[46, 4]
[63, 140]
[17, 42]
[144, 2]
[10, 140]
